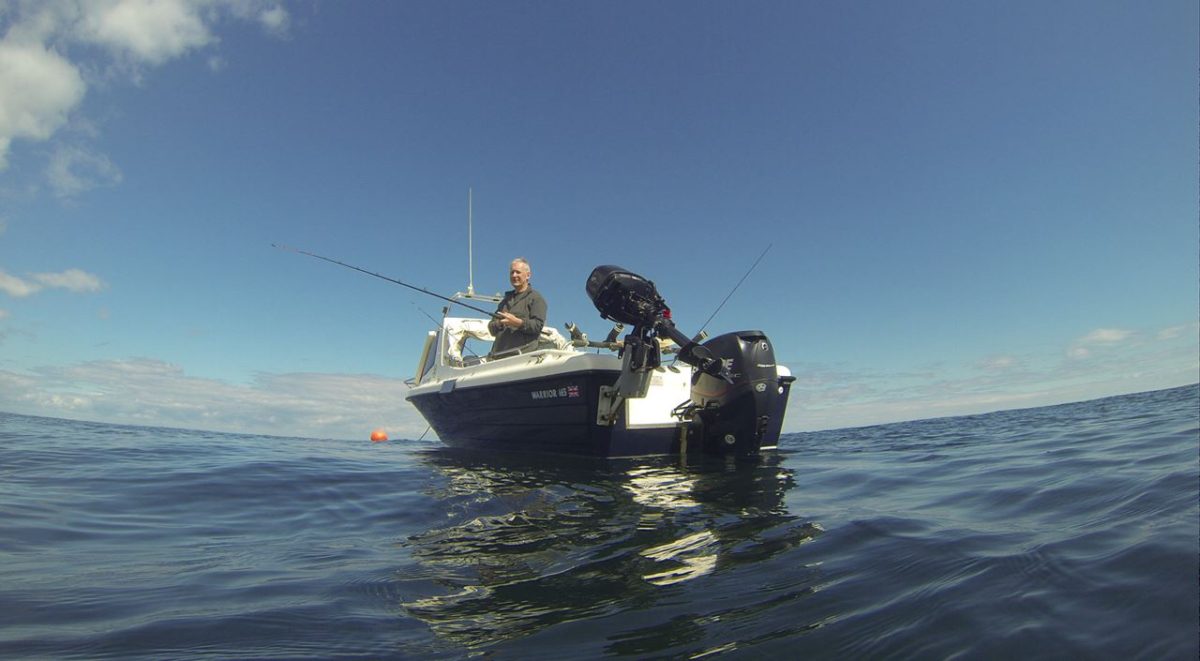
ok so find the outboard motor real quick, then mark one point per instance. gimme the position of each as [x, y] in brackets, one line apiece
[625, 297]
[741, 416]
[628, 298]
[737, 399]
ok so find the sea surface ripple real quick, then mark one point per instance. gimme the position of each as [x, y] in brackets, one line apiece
[1062, 532]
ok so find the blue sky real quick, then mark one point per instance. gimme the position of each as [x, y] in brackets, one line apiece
[972, 206]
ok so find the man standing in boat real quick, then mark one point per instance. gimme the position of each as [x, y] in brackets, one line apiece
[521, 314]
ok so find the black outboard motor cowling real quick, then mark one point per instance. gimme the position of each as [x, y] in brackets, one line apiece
[740, 417]
[628, 298]
[624, 296]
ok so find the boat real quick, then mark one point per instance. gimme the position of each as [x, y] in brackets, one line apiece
[723, 395]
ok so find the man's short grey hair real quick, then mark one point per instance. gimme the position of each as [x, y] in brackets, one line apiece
[523, 261]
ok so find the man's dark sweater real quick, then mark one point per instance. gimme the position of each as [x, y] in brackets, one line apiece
[531, 308]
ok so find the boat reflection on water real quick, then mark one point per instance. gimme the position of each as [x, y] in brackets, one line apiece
[536, 542]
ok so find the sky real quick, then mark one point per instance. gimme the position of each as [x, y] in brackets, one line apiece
[969, 206]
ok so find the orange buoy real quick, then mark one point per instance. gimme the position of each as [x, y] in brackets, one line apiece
[378, 436]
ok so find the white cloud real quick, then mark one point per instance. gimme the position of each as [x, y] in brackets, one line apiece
[17, 287]
[153, 392]
[151, 31]
[1101, 363]
[74, 170]
[998, 363]
[275, 20]
[40, 85]
[1105, 336]
[1084, 348]
[1078, 353]
[73, 280]
[1174, 332]
[38, 89]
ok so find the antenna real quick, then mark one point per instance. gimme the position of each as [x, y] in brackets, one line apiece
[470, 250]
[470, 293]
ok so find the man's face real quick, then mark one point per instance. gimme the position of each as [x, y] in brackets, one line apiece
[518, 275]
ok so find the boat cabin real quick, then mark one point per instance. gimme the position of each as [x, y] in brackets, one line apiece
[466, 342]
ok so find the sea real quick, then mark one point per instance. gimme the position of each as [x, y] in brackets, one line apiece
[1067, 532]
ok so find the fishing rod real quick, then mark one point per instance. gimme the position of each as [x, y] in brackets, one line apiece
[735, 288]
[383, 277]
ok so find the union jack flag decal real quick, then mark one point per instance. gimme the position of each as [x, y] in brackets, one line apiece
[572, 391]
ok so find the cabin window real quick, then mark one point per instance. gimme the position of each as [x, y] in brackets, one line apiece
[474, 349]
[428, 355]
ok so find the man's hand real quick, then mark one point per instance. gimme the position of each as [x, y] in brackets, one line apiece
[509, 320]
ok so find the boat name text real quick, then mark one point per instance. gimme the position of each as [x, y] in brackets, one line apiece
[555, 393]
